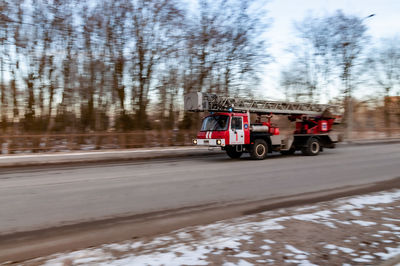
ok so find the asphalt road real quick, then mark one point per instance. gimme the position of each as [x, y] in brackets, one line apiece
[42, 197]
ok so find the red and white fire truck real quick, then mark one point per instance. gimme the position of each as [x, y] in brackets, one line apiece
[228, 125]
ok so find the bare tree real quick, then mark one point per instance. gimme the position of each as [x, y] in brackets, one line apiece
[244, 51]
[383, 67]
[331, 49]
[168, 91]
[7, 22]
[153, 27]
[348, 42]
[297, 81]
[312, 66]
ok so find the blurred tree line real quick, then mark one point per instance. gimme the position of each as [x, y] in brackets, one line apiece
[74, 66]
[82, 66]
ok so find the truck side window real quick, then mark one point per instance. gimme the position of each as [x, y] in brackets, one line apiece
[236, 123]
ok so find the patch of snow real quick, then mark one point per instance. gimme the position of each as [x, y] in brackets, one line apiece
[392, 226]
[300, 257]
[312, 216]
[159, 241]
[301, 262]
[330, 246]
[355, 213]
[306, 263]
[246, 237]
[272, 224]
[391, 252]
[295, 250]
[391, 219]
[345, 250]
[269, 241]
[189, 257]
[384, 232]
[345, 207]
[86, 260]
[380, 198]
[267, 253]
[118, 247]
[265, 247]
[307, 208]
[329, 224]
[225, 242]
[363, 223]
[240, 263]
[81, 256]
[368, 257]
[136, 244]
[316, 217]
[376, 208]
[343, 222]
[184, 235]
[246, 254]
[361, 260]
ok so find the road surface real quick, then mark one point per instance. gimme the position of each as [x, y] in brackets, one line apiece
[39, 197]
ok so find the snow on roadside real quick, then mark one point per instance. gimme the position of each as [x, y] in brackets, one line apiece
[355, 230]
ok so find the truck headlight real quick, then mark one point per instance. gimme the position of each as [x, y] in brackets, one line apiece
[218, 142]
[195, 141]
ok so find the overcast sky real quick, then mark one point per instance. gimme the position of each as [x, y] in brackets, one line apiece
[385, 23]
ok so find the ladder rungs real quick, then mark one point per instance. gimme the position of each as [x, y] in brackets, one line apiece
[211, 102]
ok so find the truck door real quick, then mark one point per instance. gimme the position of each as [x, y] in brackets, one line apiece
[236, 132]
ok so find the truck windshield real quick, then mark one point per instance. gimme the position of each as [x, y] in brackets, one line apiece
[215, 123]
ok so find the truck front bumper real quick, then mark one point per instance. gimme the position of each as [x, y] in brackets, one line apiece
[209, 142]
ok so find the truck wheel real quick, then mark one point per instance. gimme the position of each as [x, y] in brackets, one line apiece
[312, 147]
[231, 151]
[259, 150]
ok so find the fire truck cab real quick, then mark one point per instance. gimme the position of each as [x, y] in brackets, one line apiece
[223, 129]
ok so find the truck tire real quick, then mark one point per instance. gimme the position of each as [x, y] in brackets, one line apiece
[259, 150]
[233, 153]
[312, 148]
